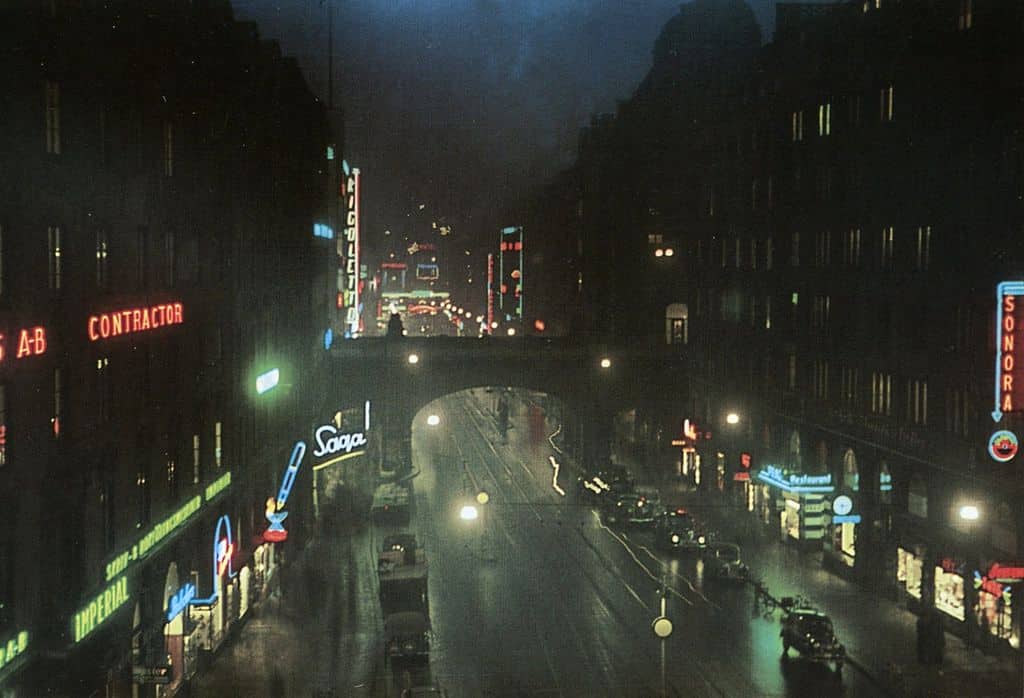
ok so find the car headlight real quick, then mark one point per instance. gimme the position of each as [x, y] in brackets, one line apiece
[675, 537]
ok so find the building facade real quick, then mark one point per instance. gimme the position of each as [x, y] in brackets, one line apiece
[163, 168]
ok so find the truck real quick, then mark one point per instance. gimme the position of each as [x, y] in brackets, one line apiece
[402, 578]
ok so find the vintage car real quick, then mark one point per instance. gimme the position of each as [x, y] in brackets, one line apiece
[407, 636]
[676, 530]
[726, 564]
[810, 632]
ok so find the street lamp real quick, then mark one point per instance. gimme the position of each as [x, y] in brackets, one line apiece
[969, 512]
[606, 362]
[732, 418]
[414, 358]
[433, 420]
[468, 512]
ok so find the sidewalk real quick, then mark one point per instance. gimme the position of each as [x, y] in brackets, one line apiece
[879, 634]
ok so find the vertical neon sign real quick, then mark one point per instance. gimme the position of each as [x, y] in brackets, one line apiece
[490, 293]
[351, 254]
[1008, 330]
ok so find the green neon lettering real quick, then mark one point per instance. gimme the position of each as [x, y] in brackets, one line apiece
[96, 611]
[218, 485]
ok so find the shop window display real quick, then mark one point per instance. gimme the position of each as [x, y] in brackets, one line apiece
[949, 593]
[908, 571]
[844, 540]
[995, 613]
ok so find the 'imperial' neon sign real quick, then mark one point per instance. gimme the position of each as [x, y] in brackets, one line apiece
[133, 320]
[99, 609]
[795, 482]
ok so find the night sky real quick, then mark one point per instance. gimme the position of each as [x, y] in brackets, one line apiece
[464, 105]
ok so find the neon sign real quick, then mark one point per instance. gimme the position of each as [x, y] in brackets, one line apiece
[133, 320]
[795, 482]
[180, 601]
[992, 586]
[99, 609]
[275, 508]
[153, 537]
[267, 381]
[350, 298]
[1008, 331]
[218, 486]
[1006, 573]
[323, 231]
[14, 647]
[223, 549]
[1003, 446]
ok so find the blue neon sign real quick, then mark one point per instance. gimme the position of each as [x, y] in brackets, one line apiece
[180, 601]
[223, 550]
[795, 482]
[275, 513]
[321, 230]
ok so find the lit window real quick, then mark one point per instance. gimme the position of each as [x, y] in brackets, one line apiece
[195, 459]
[917, 402]
[825, 119]
[881, 393]
[54, 257]
[965, 19]
[887, 103]
[791, 380]
[887, 247]
[823, 251]
[821, 379]
[52, 117]
[102, 270]
[797, 125]
[58, 402]
[218, 444]
[851, 248]
[3, 425]
[768, 312]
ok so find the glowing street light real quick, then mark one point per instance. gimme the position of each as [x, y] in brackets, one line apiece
[606, 362]
[482, 497]
[732, 418]
[414, 358]
[969, 512]
[468, 513]
[669, 252]
[511, 331]
[433, 420]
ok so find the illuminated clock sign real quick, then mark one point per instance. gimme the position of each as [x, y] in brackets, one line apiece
[133, 320]
[1003, 446]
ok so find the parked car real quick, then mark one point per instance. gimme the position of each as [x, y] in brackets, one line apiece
[407, 636]
[810, 632]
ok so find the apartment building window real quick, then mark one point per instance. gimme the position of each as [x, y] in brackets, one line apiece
[791, 373]
[654, 238]
[700, 251]
[58, 402]
[823, 249]
[218, 444]
[888, 236]
[917, 402]
[887, 103]
[797, 125]
[825, 119]
[53, 255]
[957, 412]
[753, 253]
[924, 241]
[52, 123]
[738, 259]
[794, 252]
[171, 257]
[168, 133]
[770, 194]
[709, 200]
[794, 308]
[848, 385]
[853, 110]
[881, 393]
[142, 255]
[142, 494]
[851, 247]
[195, 459]
[965, 19]
[104, 389]
[753, 194]
[753, 311]
[820, 379]
[821, 312]
[102, 267]
[769, 254]
[767, 312]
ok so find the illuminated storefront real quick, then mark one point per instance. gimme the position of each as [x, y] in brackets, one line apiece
[802, 506]
[909, 568]
[949, 588]
[996, 587]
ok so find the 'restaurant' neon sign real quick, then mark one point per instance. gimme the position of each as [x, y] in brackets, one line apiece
[132, 320]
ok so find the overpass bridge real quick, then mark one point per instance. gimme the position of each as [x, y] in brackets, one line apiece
[591, 381]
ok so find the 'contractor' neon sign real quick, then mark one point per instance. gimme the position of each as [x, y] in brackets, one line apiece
[132, 320]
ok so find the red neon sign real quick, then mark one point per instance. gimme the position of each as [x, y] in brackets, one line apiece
[225, 558]
[1003, 573]
[745, 460]
[31, 342]
[132, 320]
